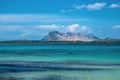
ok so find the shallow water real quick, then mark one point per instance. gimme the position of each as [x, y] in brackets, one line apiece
[60, 61]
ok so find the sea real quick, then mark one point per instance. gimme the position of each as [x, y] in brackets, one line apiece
[59, 61]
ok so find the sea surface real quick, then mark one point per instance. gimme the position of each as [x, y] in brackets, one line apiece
[60, 61]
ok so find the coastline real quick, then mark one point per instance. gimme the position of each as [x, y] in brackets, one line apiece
[59, 42]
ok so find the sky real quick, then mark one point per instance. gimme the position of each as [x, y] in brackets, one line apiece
[33, 19]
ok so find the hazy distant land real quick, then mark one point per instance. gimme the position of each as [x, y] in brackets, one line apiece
[62, 42]
[56, 37]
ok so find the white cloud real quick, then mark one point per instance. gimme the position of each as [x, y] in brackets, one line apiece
[40, 30]
[36, 30]
[79, 6]
[78, 28]
[53, 26]
[66, 10]
[114, 6]
[63, 28]
[116, 27]
[85, 29]
[73, 27]
[10, 28]
[9, 18]
[96, 6]
[32, 18]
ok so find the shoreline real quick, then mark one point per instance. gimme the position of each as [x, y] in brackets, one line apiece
[60, 42]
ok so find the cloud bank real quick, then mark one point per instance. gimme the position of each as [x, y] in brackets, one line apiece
[38, 29]
[114, 6]
[43, 18]
[116, 27]
[95, 6]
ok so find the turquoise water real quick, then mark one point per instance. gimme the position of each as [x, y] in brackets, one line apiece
[60, 61]
[36, 52]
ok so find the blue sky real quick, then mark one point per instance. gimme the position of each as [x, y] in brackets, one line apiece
[33, 19]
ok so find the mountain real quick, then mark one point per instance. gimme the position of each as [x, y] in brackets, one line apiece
[57, 36]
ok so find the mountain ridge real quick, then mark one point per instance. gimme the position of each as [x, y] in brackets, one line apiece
[69, 36]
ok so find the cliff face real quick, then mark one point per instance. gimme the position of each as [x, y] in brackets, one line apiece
[57, 36]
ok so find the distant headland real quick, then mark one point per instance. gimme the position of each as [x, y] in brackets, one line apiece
[56, 37]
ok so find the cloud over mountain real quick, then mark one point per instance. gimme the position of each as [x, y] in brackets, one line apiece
[38, 29]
